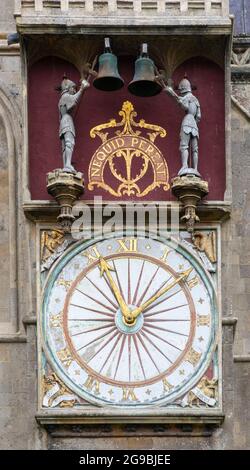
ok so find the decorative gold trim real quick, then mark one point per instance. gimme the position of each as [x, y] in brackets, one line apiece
[55, 393]
[209, 391]
[128, 145]
[50, 240]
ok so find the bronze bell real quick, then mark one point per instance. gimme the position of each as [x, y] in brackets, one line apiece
[108, 78]
[143, 83]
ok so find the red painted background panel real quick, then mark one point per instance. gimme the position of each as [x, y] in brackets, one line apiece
[97, 107]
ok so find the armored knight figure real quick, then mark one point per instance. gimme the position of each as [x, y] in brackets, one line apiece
[67, 103]
[189, 134]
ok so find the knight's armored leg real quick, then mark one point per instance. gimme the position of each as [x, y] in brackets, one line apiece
[184, 150]
[69, 148]
[195, 152]
[63, 152]
[184, 157]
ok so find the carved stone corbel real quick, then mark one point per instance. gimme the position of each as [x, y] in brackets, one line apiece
[66, 188]
[189, 190]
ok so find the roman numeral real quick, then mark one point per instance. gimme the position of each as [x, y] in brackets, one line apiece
[193, 282]
[56, 320]
[166, 385]
[203, 320]
[92, 384]
[165, 254]
[128, 394]
[65, 357]
[92, 254]
[193, 357]
[62, 282]
[127, 245]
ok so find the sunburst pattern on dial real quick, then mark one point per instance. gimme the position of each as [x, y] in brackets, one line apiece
[131, 321]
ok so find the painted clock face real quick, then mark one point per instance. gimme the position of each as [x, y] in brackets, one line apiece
[129, 321]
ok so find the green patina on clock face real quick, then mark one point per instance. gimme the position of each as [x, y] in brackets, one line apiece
[129, 322]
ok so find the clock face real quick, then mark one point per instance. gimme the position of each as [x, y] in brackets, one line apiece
[129, 321]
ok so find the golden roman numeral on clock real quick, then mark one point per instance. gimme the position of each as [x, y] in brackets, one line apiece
[65, 356]
[92, 384]
[129, 394]
[64, 283]
[203, 320]
[92, 254]
[126, 245]
[193, 357]
[165, 254]
[193, 282]
[56, 320]
[166, 385]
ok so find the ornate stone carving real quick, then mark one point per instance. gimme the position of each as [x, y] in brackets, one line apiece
[56, 394]
[204, 393]
[176, 51]
[189, 190]
[240, 73]
[47, 262]
[206, 242]
[240, 56]
[50, 241]
[211, 267]
[66, 188]
[76, 51]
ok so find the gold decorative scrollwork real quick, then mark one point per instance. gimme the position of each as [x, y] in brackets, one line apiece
[205, 392]
[55, 393]
[50, 241]
[137, 155]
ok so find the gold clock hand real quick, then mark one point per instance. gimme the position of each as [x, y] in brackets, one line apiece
[104, 267]
[146, 304]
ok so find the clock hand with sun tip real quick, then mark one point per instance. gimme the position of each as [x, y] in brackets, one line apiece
[131, 317]
[104, 267]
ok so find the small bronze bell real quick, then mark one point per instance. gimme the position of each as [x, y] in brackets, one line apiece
[108, 78]
[143, 83]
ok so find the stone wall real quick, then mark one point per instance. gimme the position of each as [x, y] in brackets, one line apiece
[241, 229]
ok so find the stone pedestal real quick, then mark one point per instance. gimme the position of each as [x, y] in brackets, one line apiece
[189, 189]
[66, 188]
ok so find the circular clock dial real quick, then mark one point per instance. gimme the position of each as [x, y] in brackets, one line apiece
[129, 321]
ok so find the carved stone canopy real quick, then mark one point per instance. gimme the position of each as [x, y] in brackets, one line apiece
[168, 52]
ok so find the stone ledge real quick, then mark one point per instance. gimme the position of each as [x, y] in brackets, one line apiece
[47, 211]
[13, 339]
[229, 321]
[95, 431]
[29, 320]
[108, 416]
[5, 50]
[124, 25]
[242, 358]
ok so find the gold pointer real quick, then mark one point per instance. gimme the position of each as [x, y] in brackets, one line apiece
[134, 314]
[104, 267]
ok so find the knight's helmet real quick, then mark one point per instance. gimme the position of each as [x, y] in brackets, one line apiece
[184, 86]
[66, 85]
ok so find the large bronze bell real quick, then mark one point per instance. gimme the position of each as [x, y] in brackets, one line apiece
[143, 83]
[108, 78]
